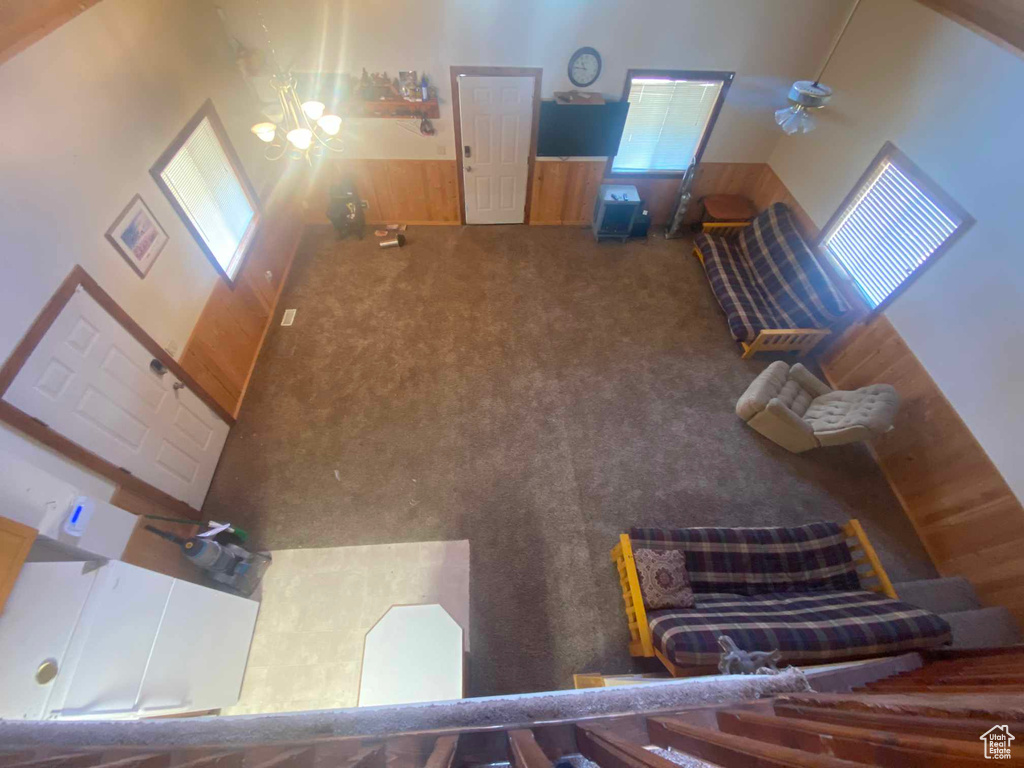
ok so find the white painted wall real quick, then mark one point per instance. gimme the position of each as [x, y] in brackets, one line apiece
[769, 43]
[953, 102]
[86, 112]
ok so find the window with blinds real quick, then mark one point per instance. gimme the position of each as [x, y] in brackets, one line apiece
[208, 193]
[894, 223]
[668, 122]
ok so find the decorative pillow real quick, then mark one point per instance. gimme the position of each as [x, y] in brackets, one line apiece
[664, 582]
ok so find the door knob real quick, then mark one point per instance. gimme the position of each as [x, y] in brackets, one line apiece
[178, 385]
[46, 671]
[468, 168]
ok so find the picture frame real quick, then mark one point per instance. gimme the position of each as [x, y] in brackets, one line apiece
[137, 235]
[408, 85]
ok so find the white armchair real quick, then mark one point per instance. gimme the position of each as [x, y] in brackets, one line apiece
[792, 407]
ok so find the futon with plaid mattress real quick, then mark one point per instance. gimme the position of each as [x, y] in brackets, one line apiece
[792, 589]
[766, 277]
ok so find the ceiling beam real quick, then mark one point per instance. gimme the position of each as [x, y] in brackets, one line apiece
[1001, 21]
[24, 22]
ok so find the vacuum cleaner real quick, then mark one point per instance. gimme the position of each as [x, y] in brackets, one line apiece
[224, 562]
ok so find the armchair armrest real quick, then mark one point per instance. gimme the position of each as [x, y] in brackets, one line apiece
[782, 426]
[766, 386]
[809, 381]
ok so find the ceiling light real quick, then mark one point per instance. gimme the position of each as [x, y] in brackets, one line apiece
[314, 109]
[265, 131]
[806, 96]
[330, 124]
[300, 138]
[307, 132]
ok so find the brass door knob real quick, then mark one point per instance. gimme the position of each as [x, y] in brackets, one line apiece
[46, 671]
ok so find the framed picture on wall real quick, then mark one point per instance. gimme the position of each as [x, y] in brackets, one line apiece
[137, 235]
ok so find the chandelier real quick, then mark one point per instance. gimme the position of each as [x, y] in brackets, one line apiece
[300, 129]
[806, 97]
[304, 131]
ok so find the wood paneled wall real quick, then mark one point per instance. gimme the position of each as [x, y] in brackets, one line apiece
[24, 22]
[1001, 21]
[966, 515]
[564, 191]
[396, 191]
[768, 189]
[427, 191]
[225, 342]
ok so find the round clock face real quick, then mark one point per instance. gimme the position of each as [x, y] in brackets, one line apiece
[584, 67]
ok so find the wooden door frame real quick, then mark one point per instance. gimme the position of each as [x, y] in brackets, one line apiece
[38, 430]
[535, 73]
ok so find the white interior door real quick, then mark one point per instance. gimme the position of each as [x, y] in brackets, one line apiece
[497, 120]
[89, 379]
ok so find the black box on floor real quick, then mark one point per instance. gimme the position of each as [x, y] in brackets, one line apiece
[641, 222]
[615, 211]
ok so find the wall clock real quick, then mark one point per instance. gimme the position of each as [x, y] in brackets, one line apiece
[584, 67]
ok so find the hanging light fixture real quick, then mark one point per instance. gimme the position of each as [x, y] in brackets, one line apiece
[806, 97]
[302, 131]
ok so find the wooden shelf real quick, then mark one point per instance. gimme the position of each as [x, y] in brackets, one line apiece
[393, 108]
[342, 95]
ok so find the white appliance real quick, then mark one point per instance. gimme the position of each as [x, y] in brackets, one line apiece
[126, 643]
[94, 526]
[34, 497]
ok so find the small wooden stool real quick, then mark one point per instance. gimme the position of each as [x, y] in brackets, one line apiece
[727, 208]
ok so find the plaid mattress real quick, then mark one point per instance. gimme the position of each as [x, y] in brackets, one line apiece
[733, 283]
[752, 561]
[767, 277]
[810, 627]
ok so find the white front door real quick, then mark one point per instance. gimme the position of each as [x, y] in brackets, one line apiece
[90, 380]
[497, 120]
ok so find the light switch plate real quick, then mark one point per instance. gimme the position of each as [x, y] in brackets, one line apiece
[289, 317]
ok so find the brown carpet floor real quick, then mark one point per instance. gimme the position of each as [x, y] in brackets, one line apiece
[536, 393]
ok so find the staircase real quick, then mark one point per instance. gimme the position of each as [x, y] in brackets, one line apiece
[927, 715]
[954, 599]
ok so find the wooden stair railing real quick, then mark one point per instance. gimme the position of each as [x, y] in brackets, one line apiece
[934, 715]
[851, 742]
[524, 752]
[610, 751]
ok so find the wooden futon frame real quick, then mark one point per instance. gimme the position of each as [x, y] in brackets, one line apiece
[873, 578]
[799, 340]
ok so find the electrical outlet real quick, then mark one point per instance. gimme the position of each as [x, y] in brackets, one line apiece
[289, 317]
[442, 149]
[269, 275]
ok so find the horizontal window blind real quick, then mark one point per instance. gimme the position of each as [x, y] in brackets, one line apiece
[665, 124]
[203, 181]
[888, 230]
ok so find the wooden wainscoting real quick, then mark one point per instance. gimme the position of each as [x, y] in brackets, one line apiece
[396, 191]
[225, 342]
[564, 191]
[768, 189]
[969, 520]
